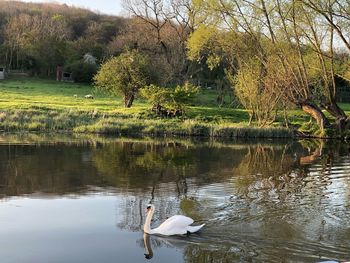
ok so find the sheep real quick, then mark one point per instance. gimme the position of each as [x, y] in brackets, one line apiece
[89, 96]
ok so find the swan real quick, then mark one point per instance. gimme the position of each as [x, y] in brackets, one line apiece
[175, 225]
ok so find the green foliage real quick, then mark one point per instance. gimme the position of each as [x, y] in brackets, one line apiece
[183, 95]
[201, 42]
[166, 100]
[38, 37]
[155, 95]
[255, 90]
[124, 74]
[82, 72]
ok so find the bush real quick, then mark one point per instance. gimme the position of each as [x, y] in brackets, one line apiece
[82, 72]
[169, 102]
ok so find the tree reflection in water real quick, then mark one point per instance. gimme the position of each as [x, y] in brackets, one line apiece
[259, 200]
[271, 192]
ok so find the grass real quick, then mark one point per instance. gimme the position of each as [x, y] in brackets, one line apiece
[31, 104]
[48, 94]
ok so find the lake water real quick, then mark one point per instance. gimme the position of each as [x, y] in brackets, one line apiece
[83, 199]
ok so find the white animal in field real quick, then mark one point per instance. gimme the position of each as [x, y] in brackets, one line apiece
[89, 96]
[175, 225]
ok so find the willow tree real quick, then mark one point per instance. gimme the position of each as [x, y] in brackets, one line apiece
[335, 17]
[252, 65]
[291, 42]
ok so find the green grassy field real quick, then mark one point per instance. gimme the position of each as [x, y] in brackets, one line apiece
[30, 104]
[48, 94]
[51, 95]
[36, 93]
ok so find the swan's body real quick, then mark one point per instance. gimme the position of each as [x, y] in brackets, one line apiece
[175, 225]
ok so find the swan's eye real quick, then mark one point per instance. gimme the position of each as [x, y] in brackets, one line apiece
[148, 207]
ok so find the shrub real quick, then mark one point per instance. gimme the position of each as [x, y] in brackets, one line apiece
[82, 72]
[169, 102]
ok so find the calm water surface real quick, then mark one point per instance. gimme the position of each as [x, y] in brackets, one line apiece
[71, 199]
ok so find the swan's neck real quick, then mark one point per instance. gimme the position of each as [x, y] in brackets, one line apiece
[147, 226]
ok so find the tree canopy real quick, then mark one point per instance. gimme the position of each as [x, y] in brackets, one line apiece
[277, 53]
[38, 37]
[124, 74]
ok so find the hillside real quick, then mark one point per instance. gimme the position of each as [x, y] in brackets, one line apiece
[38, 37]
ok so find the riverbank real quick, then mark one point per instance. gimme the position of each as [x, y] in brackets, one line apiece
[48, 106]
[49, 120]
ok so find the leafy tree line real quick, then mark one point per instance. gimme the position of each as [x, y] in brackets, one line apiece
[275, 54]
[278, 54]
[38, 37]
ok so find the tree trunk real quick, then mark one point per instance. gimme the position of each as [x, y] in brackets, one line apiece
[334, 110]
[316, 113]
[128, 100]
[285, 115]
[251, 117]
[341, 119]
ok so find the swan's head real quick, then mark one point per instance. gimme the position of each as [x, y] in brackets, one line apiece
[150, 208]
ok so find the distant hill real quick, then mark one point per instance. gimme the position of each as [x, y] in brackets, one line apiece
[37, 36]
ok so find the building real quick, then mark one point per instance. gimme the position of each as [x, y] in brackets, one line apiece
[343, 89]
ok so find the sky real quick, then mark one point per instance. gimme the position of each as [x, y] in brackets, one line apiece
[110, 7]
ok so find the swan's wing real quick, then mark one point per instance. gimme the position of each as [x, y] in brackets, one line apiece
[175, 225]
[178, 221]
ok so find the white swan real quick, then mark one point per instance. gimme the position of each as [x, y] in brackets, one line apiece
[175, 225]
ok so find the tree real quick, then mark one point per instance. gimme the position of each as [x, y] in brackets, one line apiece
[255, 92]
[125, 75]
[38, 39]
[293, 38]
[334, 17]
[168, 25]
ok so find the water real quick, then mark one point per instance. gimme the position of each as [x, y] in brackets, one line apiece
[83, 199]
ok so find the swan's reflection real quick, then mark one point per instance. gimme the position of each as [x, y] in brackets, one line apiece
[148, 247]
[158, 241]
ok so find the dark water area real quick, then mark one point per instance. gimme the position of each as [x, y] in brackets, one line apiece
[83, 199]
